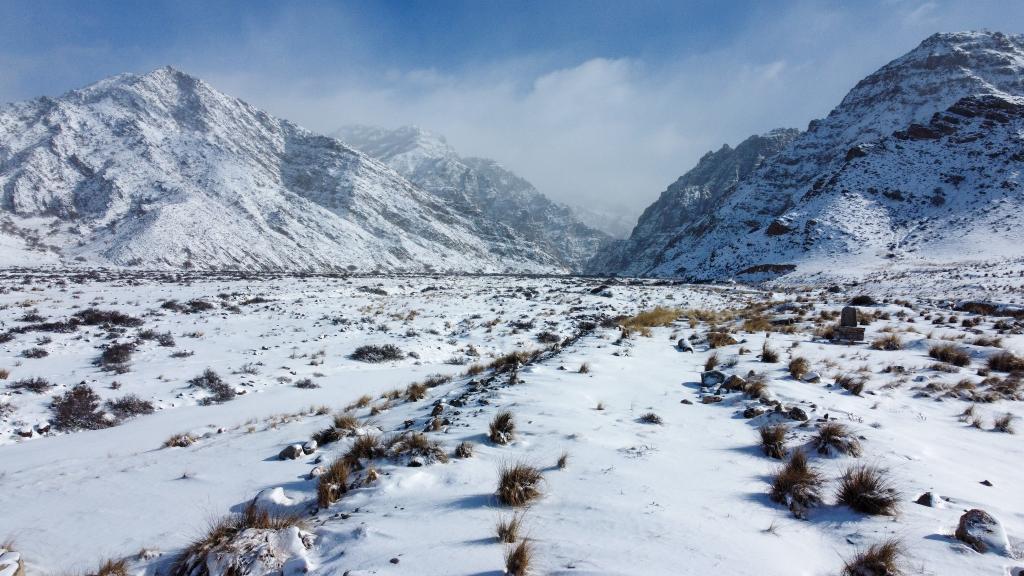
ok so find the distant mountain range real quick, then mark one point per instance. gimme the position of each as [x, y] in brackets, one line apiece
[162, 171]
[479, 188]
[919, 164]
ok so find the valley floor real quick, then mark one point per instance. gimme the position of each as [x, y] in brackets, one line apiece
[685, 492]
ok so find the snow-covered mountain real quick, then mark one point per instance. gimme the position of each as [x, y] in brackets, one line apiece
[161, 170]
[919, 164]
[480, 189]
[689, 198]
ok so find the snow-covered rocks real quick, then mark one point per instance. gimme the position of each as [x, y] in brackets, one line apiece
[982, 532]
[291, 452]
[11, 563]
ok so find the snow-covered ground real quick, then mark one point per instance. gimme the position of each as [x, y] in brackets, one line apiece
[686, 496]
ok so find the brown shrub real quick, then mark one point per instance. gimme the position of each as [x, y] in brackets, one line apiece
[1005, 362]
[881, 559]
[518, 559]
[518, 484]
[950, 353]
[868, 490]
[833, 437]
[799, 367]
[773, 440]
[502, 428]
[333, 483]
[796, 484]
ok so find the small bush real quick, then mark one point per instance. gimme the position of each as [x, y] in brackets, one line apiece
[333, 483]
[773, 440]
[799, 367]
[950, 354]
[306, 384]
[711, 362]
[116, 355]
[584, 368]
[129, 406]
[415, 392]
[502, 428]
[890, 341]
[37, 385]
[651, 418]
[365, 447]
[417, 445]
[112, 568]
[508, 528]
[644, 321]
[546, 337]
[464, 450]
[768, 354]
[35, 353]
[180, 441]
[93, 317]
[78, 409]
[563, 461]
[882, 559]
[833, 437]
[374, 354]
[719, 339]
[1005, 362]
[518, 559]
[213, 383]
[852, 384]
[862, 300]
[796, 484]
[867, 489]
[1004, 423]
[4, 373]
[518, 484]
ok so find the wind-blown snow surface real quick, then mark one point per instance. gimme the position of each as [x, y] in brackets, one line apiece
[482, 190]
[163, 171]
[919, 165]
[684, 497]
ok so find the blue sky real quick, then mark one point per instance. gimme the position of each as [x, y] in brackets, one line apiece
[596, 102]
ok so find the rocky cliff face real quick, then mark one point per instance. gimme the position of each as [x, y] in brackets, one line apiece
[912, 167]
[481, 190]
[689, 199]
[161, 170]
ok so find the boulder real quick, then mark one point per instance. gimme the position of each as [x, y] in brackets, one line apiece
[684, 346]
[309, 447]
[797, 413]
[711, 378]
[316, 472]
[734, 383]
[710, 399]
[982, 532]
[812, 377]
[752, 412]
[291, 452]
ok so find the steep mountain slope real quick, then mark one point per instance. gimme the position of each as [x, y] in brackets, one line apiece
[161, 170]
[688, 199]
[918, 164]
[480, 189]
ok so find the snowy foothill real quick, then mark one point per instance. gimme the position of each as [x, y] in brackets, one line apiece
[213, 423]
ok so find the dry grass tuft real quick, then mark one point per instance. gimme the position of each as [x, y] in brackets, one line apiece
[890, 341]
[950, 354]
[651, 418]
[773, 440]
[768, 354]
[180, 441]
[799, 367]
[868, 490]
[1005, 362]
[719, 339]
[333, 483]
[518, 484]
[797, 484]
[112, 568]
[508, 528]
[833, 437]
[711, 362]
[644, 321]
[464, 450]
[882, 559]
[502, 428]
[1004, 423]
[563, 461]
[518, 559]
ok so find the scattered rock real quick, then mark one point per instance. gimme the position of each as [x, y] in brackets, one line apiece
[309, 447]
[982, 532]
[291, 452]
[797, 413]
[711, 378]
[752, 412]
[710, 399]
[684, 346]
[927, 499]
[685, 401]
[415, 463]
[812, 377]
[734, 383]
[316, 472]
[985, 483]
[394, 560]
